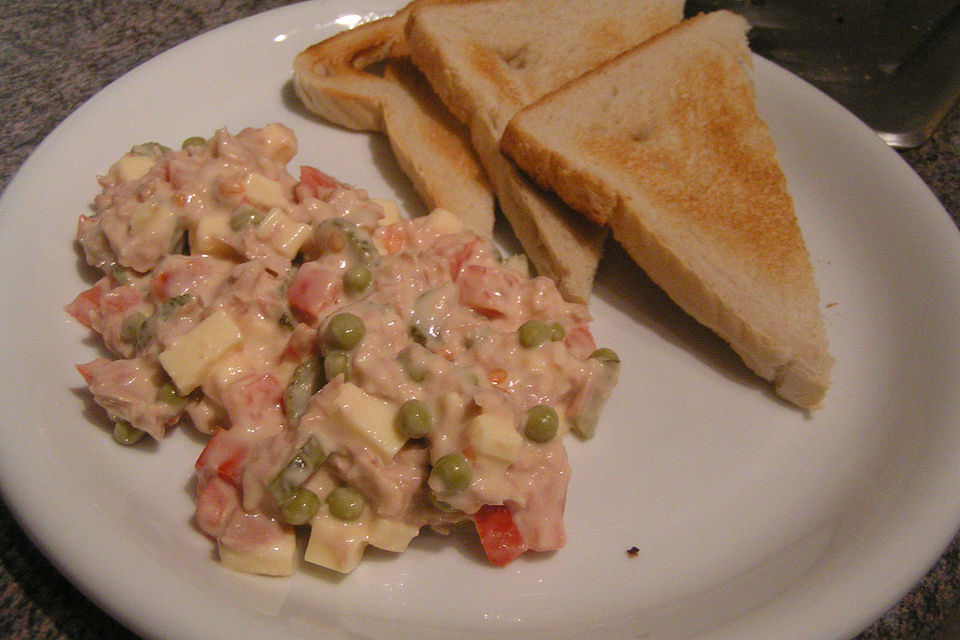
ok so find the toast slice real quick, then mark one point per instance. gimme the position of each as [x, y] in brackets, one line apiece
[665, 145]
[489, 58]
[335, 79]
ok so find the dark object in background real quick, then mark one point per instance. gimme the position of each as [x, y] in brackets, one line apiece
[894, 63]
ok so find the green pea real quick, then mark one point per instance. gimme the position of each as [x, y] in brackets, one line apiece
[345, 331]
[414, 419]
[345, 503]
[168, 394]
[417, 372]
[356, 279]
[557, 332]
[245, 217]
[300, 507]
[307, 460]
[335, 363]
[125, 433]
[130, 328]
[542, 423]
[533, 333]
[454, 473]
[193, 141]
[412, 365]
[439, 504]
[122, 275]
[605, 356]
[168, 306]
[152, 149]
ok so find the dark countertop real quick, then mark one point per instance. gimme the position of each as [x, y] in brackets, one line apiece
[54, 55]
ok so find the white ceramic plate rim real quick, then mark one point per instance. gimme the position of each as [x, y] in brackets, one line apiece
[753, 521]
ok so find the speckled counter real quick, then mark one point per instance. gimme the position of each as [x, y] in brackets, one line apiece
[55, 54]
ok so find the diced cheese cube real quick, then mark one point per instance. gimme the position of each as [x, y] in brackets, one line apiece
[152, 219]
[391, 534]
[372, 419]
[208, 237]
[494, 436]
[274, 557]
[278, 142]
[336, 544]
[133, 166]
[283, 233]
[391, 212]
[187, 359]
[264, 191]
[445, 221]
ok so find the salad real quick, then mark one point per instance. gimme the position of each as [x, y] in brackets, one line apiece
[360, 375]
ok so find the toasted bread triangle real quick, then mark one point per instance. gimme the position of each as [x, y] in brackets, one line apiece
[665, 145]
[332, 79]
[489, 58]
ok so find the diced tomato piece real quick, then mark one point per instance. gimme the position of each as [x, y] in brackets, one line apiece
[456, 252]
[316, 182]
[497, 376]
[187, 274]
[580, 341]
[159, 284]
[86, 306]
[499, 535]
[120, 299]
[217, 500]
[223, 457]
[253, 401]
[394, 238]
[313, 288]
[89, 369]
[491, 292]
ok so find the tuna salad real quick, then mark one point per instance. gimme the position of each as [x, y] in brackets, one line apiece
[360, 375]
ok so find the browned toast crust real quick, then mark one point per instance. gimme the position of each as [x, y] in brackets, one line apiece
[665, 145]
[333, 79]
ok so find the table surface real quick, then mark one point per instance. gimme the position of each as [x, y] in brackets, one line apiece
[54, 55]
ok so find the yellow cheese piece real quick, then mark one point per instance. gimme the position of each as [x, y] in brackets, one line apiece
[283, 233]
[391, 212]
[264, 191]
[276, 558]
[391, 534]
[208, 237]
[152, 219]
[132, 166]
[494, 436]
[336, 544]
[187, 359]
[372, 419]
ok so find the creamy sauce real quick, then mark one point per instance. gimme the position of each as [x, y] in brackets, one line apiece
[223, 277]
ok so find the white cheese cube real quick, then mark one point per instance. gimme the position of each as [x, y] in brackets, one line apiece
[372, 419]
[150, 219]
[336, 544]
[278, 142]
[264, 191]
[391, 212]
[283, 233]
[391, 534]
[494, 436]
[274, 557]
[208, 237]
[187, 359]
[445, 221]
[132, 166]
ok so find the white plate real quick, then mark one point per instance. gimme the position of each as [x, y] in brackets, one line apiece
[751, 520]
